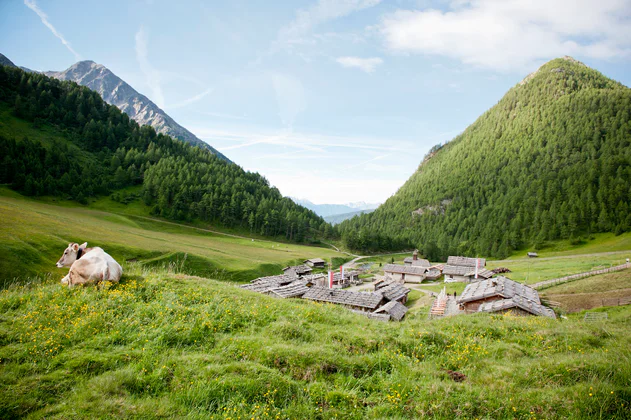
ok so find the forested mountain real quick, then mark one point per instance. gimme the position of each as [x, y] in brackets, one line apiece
[551, 160]
[115, 91]
[97, 149]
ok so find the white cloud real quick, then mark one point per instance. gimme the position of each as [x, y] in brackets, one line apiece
[367, 65]
[31, 4]
[152, 75]
[508, 35]
[323, 11]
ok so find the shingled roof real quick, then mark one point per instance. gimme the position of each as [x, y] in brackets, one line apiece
[456, 270]
[482, 274]
[404, 269]
[517, 302]
[344, 297]
[295, 289]
[266, 284]
[393, 291]
[417, 262]
[395, 309]
[298, 270]
[500, 286]
[465, 261]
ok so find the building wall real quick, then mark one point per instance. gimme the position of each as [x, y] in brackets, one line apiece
[471, 307]
[404, 278]
[455, 278]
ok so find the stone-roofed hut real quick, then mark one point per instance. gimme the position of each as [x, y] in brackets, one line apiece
[298, 270]
[415, 261]
[354, 300]
[315, 262]
[482, 275]
[492, 295]
[457, 268]
[404, 273]
[434, 272]
[266, 284]
[293, 290]
[395, 309]
[393, 291]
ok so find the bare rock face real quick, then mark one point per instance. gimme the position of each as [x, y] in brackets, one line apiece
[117, 92]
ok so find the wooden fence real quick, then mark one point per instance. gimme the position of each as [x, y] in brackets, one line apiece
[617, 301]
[553, 282]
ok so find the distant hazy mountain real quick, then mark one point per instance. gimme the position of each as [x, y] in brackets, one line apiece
[326, 210]
[339, 218]
[116, 91]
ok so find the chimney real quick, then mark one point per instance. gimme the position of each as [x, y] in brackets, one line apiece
[415, 255]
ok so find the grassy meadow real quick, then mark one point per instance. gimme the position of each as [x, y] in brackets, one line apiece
[590, 292]
[33, 235]
[163, 344]
[177, 337]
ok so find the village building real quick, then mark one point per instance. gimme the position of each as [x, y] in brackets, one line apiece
[532, 255]
[392, 291]
[316, 263]
[457, 268]
[502, 295]
[404, 273]
[394, 309]
[482, 275]
[415, 261]
[295, 289]
[298, 270]
[266, 284]
[434, 272]
[354, 300]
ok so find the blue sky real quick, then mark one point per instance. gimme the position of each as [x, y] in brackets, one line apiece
[333, 101]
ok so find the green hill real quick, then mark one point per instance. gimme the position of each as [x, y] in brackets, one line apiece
[61, 139]
[552, 160]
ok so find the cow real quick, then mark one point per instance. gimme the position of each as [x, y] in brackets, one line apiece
[88, 265]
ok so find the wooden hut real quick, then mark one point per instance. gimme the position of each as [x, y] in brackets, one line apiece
[393, 291]
[353, 300]
[395, 309]
[404, 273]
[298, 270]
[457, 268]
[414, 260]
[493, 295]
[315, 262]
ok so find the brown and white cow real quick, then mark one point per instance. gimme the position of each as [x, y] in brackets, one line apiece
[88, 265]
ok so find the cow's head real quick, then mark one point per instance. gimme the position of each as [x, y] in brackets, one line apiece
[70, 254]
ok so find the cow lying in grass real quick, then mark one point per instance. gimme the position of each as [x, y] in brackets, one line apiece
[88, 265]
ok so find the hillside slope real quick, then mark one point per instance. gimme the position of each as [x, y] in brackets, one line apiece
[117, 92]
[551, 160]
[164, 345]
[61, 139]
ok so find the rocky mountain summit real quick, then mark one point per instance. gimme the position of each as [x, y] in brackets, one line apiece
[117, 92]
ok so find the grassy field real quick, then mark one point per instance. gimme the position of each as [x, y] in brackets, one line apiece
[33, 235]
[589, 292]
[162, 344]
[532, 270]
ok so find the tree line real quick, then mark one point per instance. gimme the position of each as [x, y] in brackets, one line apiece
[82, 147]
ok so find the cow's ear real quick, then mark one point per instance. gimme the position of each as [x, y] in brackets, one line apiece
[75, 247]
[83, 245]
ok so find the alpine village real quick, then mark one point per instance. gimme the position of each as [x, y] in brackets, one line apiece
[144, 273]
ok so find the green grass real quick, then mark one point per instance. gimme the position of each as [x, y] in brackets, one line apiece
[599, 242]
[33, 234]
[532, 270]
[161, 344]
[589, 292]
